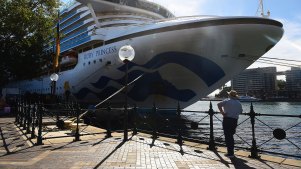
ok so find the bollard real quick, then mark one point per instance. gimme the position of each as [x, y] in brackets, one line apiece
[33, 117]
[40, 113]
[77, 121]
[211, 139]
[134, 120]
[179, 138]
[254, 150]
[109, 133]
[154, 122]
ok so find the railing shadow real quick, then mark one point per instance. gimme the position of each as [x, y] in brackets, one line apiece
[241, 163]
[111, 153]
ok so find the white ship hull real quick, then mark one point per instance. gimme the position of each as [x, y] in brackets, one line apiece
[180, 61]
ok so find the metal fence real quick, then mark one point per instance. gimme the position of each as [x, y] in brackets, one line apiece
[253, 133]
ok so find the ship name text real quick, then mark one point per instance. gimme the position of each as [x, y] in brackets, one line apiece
[100, 52]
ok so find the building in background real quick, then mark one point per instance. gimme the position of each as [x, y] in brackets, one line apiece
[293, 82]
[258, 82]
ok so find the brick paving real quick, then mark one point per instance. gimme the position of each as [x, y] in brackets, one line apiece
[96, 151]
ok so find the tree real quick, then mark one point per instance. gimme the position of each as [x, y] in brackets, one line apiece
[25, 27]
[224, 92]
[281, 84]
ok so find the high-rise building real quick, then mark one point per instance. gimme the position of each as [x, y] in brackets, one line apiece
[258, 82]
[293, 80]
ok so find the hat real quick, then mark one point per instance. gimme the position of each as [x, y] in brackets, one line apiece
[232, 93]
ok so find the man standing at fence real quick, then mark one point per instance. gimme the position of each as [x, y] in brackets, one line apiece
[230, 108]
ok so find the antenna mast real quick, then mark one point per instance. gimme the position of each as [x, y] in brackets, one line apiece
[260, 10]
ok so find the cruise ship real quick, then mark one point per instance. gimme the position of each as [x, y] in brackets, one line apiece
[177, 59]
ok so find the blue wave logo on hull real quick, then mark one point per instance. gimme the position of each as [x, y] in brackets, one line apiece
[207, 70]
[153, 83]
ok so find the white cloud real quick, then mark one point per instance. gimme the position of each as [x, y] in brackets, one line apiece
[181, 8]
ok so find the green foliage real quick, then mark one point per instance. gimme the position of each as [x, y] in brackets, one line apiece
[223, 93]
[25, 26]
[281, 84]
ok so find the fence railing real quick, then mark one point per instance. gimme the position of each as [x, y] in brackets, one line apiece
[253, 133]
[31, 118]
[248, 131]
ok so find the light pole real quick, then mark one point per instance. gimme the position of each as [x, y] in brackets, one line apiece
[126, 54]
[54, 77]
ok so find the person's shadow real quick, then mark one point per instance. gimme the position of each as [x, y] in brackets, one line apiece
[240, 163]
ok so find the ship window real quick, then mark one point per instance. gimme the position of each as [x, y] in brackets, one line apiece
[89, 62]
[94, 61]
[100, 60]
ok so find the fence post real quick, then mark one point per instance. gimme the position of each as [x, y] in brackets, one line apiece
[17, 114]
[211, 140]
[254, 150]
[109, 134]
[25, 116]
[21, 114]
[135, 120]
[40, 137]
[77, 121]
[153, 120]
[33, 115]
[125, 123]
[179, 138]
[29, 109]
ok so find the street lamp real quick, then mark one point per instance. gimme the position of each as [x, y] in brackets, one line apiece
[54, 77]
[126, 54]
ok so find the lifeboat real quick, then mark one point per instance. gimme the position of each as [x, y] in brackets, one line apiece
[68, 59]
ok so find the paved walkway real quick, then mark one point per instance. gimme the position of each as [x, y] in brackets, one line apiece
[96, 151]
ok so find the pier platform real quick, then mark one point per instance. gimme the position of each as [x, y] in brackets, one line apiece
[139, 152]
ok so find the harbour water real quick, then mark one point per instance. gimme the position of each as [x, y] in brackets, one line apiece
[264, 125]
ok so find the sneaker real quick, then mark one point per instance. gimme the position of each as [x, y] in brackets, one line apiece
[229, 155]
